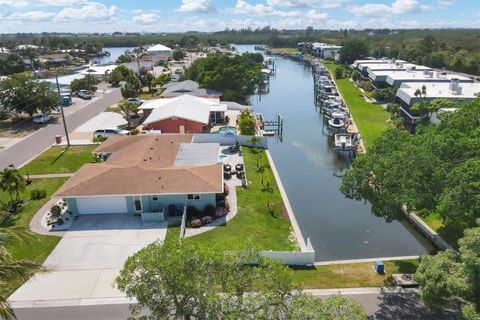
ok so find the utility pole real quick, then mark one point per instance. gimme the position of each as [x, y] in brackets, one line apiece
[61, 109]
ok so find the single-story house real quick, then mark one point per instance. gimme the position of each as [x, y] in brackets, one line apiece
[324, 50]
[152, 176]
[175, 89]
[57, 59]
[99, 71]
[183, 114]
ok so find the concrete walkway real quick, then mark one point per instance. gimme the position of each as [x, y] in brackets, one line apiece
[50, 175]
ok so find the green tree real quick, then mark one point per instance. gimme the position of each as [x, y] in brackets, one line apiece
[448, 278]
[352, 50]
[22, 94]
[128, 110]
[129, 91]
[115, 77]
[181, 280]
[11, 268]
[178, 54]
[247, 123]
[89, 83]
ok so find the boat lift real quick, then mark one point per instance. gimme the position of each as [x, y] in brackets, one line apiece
[271, 127]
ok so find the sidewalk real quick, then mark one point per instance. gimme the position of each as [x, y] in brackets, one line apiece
[49, 175]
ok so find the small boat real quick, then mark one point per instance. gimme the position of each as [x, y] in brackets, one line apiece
[345, 141]
[338, 122]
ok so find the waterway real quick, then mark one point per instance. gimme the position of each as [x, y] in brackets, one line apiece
[339, 228]
[114, 54]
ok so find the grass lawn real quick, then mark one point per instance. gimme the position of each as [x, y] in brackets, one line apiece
[254, 222]
[286, 50]
[352, 275]
[32, 250]
[370, 118]
[56, 160]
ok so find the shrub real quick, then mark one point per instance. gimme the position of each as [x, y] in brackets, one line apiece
[37, 194]
[224, 204]
[366, 86]
[56, 212]
[196, 223]
[192, 212]
[134, 132]
[209, 210]
[221, 211]
[207, 219]
[99, 139]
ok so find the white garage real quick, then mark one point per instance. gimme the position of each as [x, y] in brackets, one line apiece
[99, 205]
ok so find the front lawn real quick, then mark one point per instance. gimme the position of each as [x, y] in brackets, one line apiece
[60, 160]
[254, 222]
[371, 119]
[38, 250]
[353, 275]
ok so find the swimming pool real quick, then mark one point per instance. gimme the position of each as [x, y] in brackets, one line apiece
[227, 130]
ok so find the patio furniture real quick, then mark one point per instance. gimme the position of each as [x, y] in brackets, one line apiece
[227, 168]
[227, 175]
[239, 167]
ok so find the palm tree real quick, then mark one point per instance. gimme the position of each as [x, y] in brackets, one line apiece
[127, 110]
[11, 268]
[12, 182]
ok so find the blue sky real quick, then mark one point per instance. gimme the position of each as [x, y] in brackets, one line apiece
[212, 15]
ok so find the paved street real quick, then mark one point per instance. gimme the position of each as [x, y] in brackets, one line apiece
[393, 305]
[34, 144]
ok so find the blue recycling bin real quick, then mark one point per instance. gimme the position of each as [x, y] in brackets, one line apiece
[379, 267]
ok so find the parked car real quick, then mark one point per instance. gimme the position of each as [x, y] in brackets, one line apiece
[84, 94]
[42, 118]
[110, 132]
[136, 101]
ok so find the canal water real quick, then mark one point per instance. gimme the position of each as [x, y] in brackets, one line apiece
[114, 54]
[339, 228]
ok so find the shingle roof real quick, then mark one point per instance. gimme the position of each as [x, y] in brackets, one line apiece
[143, 165]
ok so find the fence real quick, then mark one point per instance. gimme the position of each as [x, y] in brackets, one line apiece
[229, 139]
[184, 219]
[294, 258]
[425, 229]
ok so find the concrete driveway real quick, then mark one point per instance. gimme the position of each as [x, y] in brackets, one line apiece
[86, 261]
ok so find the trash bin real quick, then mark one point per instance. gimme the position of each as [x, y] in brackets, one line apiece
[58, 139]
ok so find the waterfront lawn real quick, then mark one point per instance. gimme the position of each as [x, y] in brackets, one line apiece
[353, 275]
[371, 119]
[60, 160]
[254, 222]
[38, 249]
[286, 50]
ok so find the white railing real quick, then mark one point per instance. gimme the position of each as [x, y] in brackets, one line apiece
[184, 219]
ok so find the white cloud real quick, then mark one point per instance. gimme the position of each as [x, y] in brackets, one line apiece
[146, 19]
[243, 7]
[291, 3]
[396, 7]
[89, 11]
[328, 4]
[32, 16]
[14, 3]
[315, 15]
[204, 6]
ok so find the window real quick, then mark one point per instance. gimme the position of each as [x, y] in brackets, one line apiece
[154, 198]
[193, 196]
[137, 203]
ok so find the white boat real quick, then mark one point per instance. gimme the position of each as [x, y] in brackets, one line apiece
[338, 122]
[345, 141]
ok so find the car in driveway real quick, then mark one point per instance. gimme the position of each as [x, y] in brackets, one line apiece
[107, 132]
[41, 119]
[84, 94]
[136, 101]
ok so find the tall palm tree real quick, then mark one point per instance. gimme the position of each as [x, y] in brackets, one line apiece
[11, 268]
[127, 110]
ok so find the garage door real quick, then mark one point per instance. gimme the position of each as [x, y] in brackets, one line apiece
[99, 205]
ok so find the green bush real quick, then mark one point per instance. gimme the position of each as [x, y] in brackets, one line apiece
[366, 86]
[37, 194]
